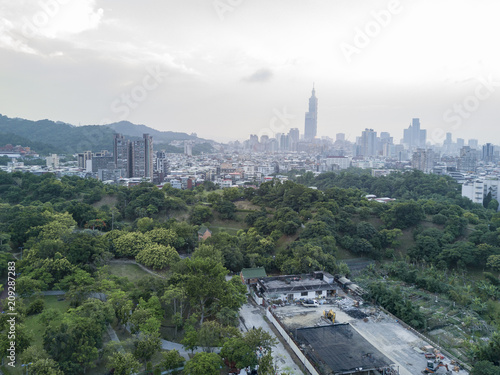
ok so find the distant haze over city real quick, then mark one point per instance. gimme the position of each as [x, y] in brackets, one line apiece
[225, 69]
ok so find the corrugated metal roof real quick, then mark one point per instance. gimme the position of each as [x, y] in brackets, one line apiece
[344, 280]
[252, 273]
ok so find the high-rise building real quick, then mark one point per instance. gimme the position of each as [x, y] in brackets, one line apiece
[423, 160]
[284, 142]
[473, 143]
[83, 157]
[311, 123]
[52, 161]
[384, 143]
[101, 160]
[294, 135]
[340, 137]
[488, 153]
[121, 150]
[253, 142]
[141, 157]
[414, 137]
[477, 190]
[293, 139]
[368, 143]
[188, 148]
[468, 159]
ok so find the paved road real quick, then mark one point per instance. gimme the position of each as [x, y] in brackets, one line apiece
[254, 317]
[114, 337]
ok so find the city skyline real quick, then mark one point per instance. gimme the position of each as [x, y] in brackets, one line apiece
[211, 69]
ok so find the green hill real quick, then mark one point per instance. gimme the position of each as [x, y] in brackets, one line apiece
[133, 130]
[46, 136]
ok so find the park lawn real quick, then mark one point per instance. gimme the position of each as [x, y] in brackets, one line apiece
[229, 226]
[246, 205]
[34, 325]
[109, 200]
[131, 271]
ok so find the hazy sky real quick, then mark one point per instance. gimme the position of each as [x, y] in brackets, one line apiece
[228, 68]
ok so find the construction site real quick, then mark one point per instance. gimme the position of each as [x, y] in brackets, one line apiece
[344, 336]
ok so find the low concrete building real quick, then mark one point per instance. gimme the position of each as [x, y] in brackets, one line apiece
[297, 287]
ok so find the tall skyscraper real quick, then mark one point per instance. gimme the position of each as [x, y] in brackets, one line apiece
[121, 153]
[414, 137]
[142, 157]
[423, 160]
[311, 124]
[468, 160]
[188, 148]
[294, 138]
[473, 143]
[488, 153]
[368, 142]
[384, 144]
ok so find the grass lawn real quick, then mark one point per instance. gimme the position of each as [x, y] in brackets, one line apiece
[246, 205]
[344, 254]
[285, 241]
[229, 226]
[108, 200]
[33, 324]
[131, 271]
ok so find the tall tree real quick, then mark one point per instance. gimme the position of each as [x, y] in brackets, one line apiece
[203, 364]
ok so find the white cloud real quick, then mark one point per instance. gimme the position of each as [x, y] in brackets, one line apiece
[9, 40]
[25, 23]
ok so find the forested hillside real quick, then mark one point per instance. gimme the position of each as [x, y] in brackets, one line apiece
[47, 136]
[75, 235]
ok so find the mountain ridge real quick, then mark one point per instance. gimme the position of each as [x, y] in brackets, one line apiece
[61, 137]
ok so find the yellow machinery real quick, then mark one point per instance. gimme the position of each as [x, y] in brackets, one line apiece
[329, 315]
[434, 368]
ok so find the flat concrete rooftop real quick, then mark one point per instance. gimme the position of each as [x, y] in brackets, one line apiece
[294, 284]
[340, 349]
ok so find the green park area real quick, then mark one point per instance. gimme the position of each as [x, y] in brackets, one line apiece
[132, 259]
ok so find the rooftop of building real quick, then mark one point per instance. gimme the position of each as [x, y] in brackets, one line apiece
[294, 283]
[340, 349]
[252, 273]
[203, 229]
